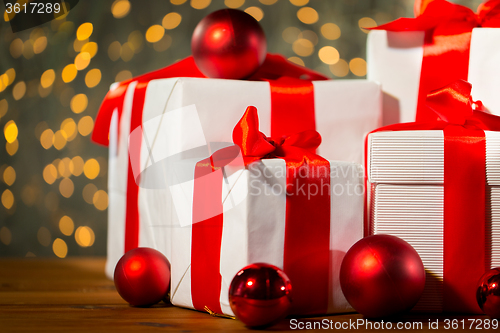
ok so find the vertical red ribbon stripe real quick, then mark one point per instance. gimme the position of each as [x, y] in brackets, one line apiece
[464, 217]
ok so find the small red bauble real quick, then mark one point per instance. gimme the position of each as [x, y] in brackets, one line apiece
[488, 293]
[381, 276]
[260, 295]
[228, 44]
[142, 276]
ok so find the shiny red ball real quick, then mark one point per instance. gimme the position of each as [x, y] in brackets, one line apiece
[260, 295]
[142, 276]
[228, 44]
[488, 293]
[381, 276]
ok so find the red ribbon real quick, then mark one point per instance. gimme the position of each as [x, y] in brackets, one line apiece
[292, 110]
[464, 189]
[307, 232]
[448, 28]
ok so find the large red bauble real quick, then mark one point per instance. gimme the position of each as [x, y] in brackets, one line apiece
[381, 276]
[142, 276]
[228, 44]
[260, 295]
[488, 293]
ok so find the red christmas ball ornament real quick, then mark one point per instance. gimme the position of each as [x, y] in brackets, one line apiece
[142, 276]
[381, 276]
[228, 44]
[488, 293]
[260, 295]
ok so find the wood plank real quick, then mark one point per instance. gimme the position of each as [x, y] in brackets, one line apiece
[73, 295]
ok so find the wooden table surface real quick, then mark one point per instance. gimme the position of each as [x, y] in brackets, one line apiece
[73, 295]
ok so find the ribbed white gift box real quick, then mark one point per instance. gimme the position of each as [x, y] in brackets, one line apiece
[405, 174]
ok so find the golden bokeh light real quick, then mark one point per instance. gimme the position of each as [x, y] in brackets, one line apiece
[84, 31]
[127, 52]
[7, 199]
[82, 60]
[91, 48]
[329, 55]
[59, 140]
[255, 12]
[85, 125]
[234, 3]
[310, 36]
[307, 15]
[155, 33]
[5, 236]
[366, 22]
[66, 225]
[50, 174]
[136, 41]
[296, 60]
[11, 76]
[91, 168]
[78, 44]
[12, 148]
[19, 90]
[16, 48]
[63, 167]
[268, 2]
[330, 31]
[39, 128]
[114, 50]
[76, 166]
[177, 2]
[172, 20]
[47, 78]
[66, 187]
[47, 138]
[44, 237]
[163, 44]
[84, 236]
[79, 103]
[303, 47]
[88, 193]
[40, 45]
[340, 68]
[358, 66]
[10, 131]
[68, 129]
[299, 3]
[123, 75]
[9, 175]
[100, 200]
[291, 34]
[60, 248]
[69, 73]
[200, 4]
[93, 78]
[66, 96]
[120, 8]
[4, 107]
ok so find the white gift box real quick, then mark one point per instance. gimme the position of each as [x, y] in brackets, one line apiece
[394, 59]
[186, 114]
[254, 204]
[406, 198]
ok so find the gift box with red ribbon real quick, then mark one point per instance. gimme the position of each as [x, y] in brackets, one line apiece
[445, 42]
[436, 184]
[156, 122]
[271, 200]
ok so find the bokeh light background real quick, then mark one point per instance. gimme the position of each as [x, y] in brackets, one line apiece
[53, 180]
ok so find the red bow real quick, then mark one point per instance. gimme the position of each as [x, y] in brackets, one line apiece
[255, 145]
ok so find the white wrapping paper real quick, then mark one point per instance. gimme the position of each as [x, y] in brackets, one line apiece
[177, 109]
[405, 173]
[254, 229]
[394, 59]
